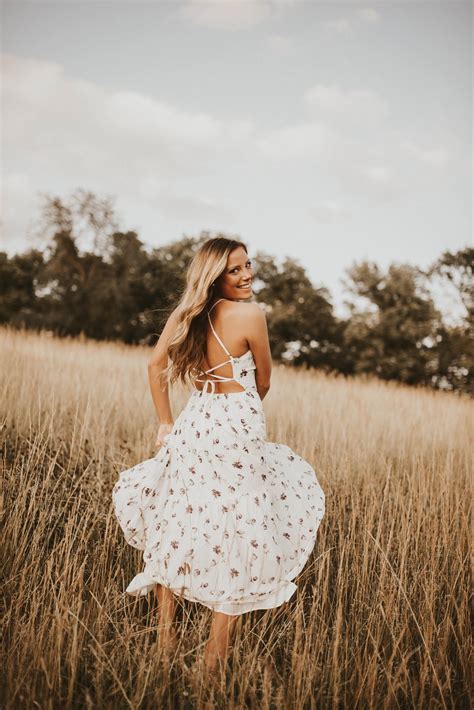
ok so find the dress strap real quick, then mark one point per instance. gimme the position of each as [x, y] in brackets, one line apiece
[215, 304]
[213, 330]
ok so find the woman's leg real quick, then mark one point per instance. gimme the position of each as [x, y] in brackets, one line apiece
[220, 636]
[166, 610]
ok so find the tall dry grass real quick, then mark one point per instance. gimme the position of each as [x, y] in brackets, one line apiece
[381, 615]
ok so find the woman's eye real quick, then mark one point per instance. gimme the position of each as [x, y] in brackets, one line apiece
[232, 271]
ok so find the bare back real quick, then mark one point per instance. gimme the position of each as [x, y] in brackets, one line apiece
[227, 319]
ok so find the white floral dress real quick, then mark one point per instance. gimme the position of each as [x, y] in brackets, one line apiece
[223, 516]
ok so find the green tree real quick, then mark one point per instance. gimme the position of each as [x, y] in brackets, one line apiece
[129, 288]
[103, 282]
[62, 287]
[166, 277]
[18, 282]
[301, 324]
[455, 344]
[394, 332]
[458, 269]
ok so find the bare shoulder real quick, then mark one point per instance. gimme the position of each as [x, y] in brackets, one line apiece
[248, 318]
[250, 312]
[171, 323]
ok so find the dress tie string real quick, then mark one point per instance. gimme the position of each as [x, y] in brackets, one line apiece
[208, 389]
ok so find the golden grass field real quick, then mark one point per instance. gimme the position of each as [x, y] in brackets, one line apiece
[381, 615]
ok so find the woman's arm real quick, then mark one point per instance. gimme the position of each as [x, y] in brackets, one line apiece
[256, 327]
[158, 362]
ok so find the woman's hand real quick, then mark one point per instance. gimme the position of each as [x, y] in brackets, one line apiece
[163, 430]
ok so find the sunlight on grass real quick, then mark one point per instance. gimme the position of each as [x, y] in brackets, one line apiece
[381, 615]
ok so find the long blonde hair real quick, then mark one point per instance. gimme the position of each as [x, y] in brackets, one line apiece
[187, 345]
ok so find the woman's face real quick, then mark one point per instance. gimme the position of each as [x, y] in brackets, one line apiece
[236, 281]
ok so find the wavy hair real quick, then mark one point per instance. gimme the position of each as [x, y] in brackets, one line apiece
[188, 343]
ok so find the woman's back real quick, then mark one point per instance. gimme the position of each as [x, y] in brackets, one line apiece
[225, 342]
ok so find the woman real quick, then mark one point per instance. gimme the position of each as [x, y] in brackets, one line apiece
[224, 517]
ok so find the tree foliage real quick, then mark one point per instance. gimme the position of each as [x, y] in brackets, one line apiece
[94, 279]
[394, 334]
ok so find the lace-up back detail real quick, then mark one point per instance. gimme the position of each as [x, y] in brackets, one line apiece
[243, 367]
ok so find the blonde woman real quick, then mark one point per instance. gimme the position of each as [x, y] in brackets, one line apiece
[223, 516]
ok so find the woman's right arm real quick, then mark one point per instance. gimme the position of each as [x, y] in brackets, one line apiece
[156, 364]
[257, 336]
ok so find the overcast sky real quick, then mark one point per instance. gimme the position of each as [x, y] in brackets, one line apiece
[327, 131]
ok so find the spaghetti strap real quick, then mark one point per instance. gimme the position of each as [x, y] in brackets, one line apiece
[215, 304]
[213, 330]
[217, 337]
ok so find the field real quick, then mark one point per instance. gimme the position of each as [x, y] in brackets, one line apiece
[381, 615]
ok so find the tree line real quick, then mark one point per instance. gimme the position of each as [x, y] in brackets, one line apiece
[89, 277]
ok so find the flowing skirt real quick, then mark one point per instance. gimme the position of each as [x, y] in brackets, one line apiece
[223, 516]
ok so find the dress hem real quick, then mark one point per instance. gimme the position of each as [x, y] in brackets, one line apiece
[143, 583]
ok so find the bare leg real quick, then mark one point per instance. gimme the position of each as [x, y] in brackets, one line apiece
[166, 610]
[220, 636]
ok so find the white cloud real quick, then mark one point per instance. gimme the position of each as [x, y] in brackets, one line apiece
[340, 26]
[17, 202]
[134, 116]
[355, 107]
[280, 44]
[329, 211]
[347, 136]
[434, 156]
[299, 141]
[233, 15]
[377, 173]
[198, 206]
[368, 14]
[225, 14]
[343, 127]
[379, 182]
[344, 25]
[44, 108]
[62, 131]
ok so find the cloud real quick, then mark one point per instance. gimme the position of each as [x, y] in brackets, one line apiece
[280, 44]
[329, 211]
[341, 124]
[232, 15]
[378, 182]
[43, 107]
[62, 131]
[18, 201]
[298, 141]
[357, 107]
[197, 207]
[377, 173]
[434, 156]
[368, 14]
[348, 138]
[225, 14]
[340, 26]
[346, 25]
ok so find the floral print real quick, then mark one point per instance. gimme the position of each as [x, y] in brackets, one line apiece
[223, 516]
